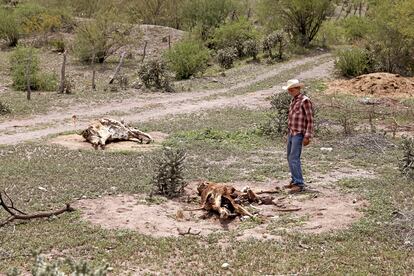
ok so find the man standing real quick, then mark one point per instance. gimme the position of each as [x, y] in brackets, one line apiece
[300, 132]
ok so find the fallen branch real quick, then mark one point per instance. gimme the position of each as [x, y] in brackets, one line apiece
[181, 233]
[289, 210]
[16, 214]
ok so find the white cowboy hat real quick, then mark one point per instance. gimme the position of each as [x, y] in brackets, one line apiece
[293, 83]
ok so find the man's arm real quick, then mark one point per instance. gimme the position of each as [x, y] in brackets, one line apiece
[307, 107]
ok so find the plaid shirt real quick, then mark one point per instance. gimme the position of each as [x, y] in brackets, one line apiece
[301, 116]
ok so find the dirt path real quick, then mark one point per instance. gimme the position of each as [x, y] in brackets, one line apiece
[153, 106]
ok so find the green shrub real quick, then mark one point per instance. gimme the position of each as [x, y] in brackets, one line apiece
[9, 27]
[169, 174]
[251, 48]
[234, 34]
[34, 18]
[58, 44]
[24, 61]
[226, 57]
[187, 58]
[205, 15]
[46, 82]
[331, 33]
[277, 40]
[407, 161]
[153, 73]
[353, 62]
[301, 19]
[101, 38]
[356, 27]
[391, 36]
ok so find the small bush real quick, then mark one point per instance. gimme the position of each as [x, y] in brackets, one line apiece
[169, 175]
[4, 109]
[251, 48]
[46, 82]
[226, 57]
[234, 34]
[407, 161]
[277, 40]
[44, 268]
[9, 27]
[277, 117]
[154, 74]
[187, 58]
[354, 62]
[58, 44]
[347, 122]
[25, 61]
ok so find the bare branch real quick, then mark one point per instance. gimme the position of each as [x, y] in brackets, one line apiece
[23, 216]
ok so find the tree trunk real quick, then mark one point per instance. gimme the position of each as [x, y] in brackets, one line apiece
[62, 74]
[118, 68]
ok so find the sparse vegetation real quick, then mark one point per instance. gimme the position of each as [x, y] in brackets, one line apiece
[354, 156]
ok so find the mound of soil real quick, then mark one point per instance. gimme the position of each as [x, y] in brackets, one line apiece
[381, 84]
[77, 142]
[326, 210]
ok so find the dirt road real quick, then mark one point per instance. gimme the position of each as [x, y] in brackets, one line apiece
[154, 106]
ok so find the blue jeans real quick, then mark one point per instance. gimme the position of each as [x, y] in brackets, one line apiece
[294, 150]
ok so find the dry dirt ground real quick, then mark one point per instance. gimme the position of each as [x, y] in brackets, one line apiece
[146, 107]
[323, 208]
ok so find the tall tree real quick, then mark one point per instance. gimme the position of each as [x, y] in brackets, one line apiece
[302, 19]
